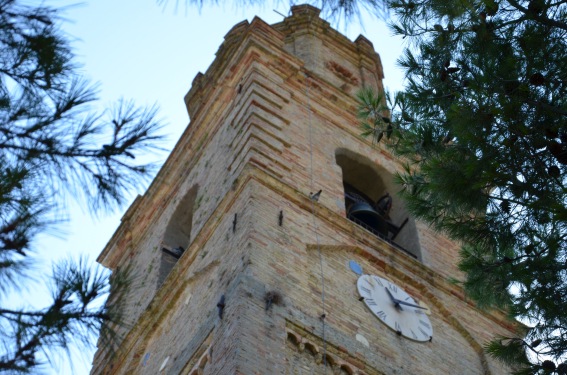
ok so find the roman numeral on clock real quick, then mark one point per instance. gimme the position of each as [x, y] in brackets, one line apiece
[413, 334]
[398, 327]
[370, 302]
[381, 314]
[393, 288]
[365, 290]
[378, 281]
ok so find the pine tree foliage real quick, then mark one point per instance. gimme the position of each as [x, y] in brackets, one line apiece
[52, 145]
[374, 115]
[482, 123]
[339, 10]
[76, 314]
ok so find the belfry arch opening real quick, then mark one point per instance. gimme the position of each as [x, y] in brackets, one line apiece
[371, 201]
[177, 236]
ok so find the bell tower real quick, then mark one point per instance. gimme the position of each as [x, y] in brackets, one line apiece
[273, 241]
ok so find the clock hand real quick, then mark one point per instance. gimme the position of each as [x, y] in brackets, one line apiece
[412, 305]
[396, 301]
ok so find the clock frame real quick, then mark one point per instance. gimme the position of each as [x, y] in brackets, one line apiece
[395, 308]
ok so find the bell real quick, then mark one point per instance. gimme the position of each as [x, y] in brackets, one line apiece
[364, 213]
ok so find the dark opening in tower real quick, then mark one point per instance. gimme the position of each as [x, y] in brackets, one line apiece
[371, 201]
[177, 236]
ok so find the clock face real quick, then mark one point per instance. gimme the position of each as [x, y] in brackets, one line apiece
[395, 308]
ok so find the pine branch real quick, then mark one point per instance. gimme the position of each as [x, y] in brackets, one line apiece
[75, 314]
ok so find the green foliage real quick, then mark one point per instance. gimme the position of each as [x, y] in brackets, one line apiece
[53, 146]
[512, 352]
[337, 9]
[75, 315]
[373, 113]
[482, 125]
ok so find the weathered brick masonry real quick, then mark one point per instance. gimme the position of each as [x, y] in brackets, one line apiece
[273, 120]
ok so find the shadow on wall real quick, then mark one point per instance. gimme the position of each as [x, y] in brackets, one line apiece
[177, 236]
[371, 201]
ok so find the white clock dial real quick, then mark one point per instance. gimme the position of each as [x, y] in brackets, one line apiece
[395, 308]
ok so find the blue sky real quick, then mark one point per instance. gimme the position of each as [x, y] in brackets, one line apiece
[150, 54]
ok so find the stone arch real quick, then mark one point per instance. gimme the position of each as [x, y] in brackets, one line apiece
[346, 369]
[177, 235]
[293, 339]
[203, 361]
[330, 360]
[311, 348]
[367, 187]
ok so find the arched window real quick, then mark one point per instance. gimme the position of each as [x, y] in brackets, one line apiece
[177, 236]
[371, 201]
